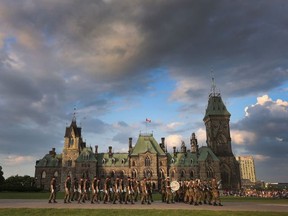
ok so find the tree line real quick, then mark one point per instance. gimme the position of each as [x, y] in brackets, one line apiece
[17, 183]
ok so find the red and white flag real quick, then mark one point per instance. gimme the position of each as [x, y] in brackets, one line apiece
[148, 120]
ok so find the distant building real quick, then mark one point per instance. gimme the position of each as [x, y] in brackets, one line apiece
[148, 158]
[247, 170]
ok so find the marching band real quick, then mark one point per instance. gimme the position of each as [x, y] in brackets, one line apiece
[129, 190]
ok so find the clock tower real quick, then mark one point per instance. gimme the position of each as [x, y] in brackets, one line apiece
[216, 120]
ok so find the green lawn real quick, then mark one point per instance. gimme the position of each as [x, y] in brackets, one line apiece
[128, 212]
[60, 195]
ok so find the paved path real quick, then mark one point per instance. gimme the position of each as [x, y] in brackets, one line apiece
[229, 206]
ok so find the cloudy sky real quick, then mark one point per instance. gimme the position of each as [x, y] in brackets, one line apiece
[119, 62]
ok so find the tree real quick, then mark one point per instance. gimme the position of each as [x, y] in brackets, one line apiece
[2, 179]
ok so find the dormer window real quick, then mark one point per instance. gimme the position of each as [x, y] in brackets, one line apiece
[123, 161]
[113, 160]
[172, 160]
[103, 161]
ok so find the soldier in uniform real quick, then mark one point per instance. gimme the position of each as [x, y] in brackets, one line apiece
[52, 190]
[67, 187]
[129, 191]
[106, 188]
[136, 189]
[163, 190]
[207, 193]
[169, 194]
[149, 189]
[75, 193]
[215, 193]
[117, 192]
[144, 195]
[95, 190]
[81, 189]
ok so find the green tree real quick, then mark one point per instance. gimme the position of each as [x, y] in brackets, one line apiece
[2, 179]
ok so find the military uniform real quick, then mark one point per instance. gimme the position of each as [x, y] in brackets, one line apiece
[95, 190]
[75, 192]
[67, 187]
[215, 193]
[169, 194]
[52, 190]
[106, 188]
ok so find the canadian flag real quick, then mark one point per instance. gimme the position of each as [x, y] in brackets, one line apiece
[148, 120]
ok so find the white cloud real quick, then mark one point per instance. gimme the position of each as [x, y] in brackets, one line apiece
[261, 158]
[241, 137]
[14, 160]
[173, 140]
[174, 125]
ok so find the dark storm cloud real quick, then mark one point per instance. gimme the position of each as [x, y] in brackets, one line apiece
[268, 121]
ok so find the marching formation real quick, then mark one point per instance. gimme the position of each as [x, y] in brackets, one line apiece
[129, 190]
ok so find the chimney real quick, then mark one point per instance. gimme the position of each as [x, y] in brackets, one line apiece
[96, 149]
[52, 152]
[130, 142]
[174, 150]
[162, 145]
[110, 151]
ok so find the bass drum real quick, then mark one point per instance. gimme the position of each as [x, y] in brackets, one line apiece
[175, 185]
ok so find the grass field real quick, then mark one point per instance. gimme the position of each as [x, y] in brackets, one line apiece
[60, 195]
[128, 212]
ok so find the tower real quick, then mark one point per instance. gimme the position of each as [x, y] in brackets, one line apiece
[216, 120]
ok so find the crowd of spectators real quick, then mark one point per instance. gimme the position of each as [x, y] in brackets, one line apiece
[276, 194]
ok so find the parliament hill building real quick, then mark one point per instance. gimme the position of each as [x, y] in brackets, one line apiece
[148, 158]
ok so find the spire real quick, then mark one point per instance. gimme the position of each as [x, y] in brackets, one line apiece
[214, 92]
[74, 115]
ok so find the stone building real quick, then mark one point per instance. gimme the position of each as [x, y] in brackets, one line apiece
[148, 158]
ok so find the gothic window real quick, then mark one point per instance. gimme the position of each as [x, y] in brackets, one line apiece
[162, 176]
[133, 163]
[56, 173]
[123, 161]
[148, 173]
[161, 163]
[172, 174]
[210, 173]
[113, 160]
[71, 142]
[182, 174]
[112, 174]
[191, 174]
[43, 176]
[147, 161]
[69, 163]
[134, 173]
[122, 174]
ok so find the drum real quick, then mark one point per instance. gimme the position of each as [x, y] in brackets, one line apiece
[175, 185]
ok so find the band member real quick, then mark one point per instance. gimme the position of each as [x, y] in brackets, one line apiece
[163, 190]
[215, 193]
[144, 196]
[67, 188]
[95, 190]
[149, 189]
[169, 194]
[81, 190]
[106, 188]
[136, 189]
[129, 191]
[52, 190]
[190, 191]
[75, 193]
[117, 188]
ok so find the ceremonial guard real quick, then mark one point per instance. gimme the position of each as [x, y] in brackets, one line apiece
[215, 193]
[67, 187]
[52, 190]
[129, 191]
[117, 188]
[106, 188]
[75, 193]
[95, 190]
[169, 194]
[81, 190]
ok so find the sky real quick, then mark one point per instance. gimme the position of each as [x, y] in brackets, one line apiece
[118, 62]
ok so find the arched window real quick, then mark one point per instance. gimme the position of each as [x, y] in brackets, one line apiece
[191, 174]
[162, 175]
[123, 161]
[112, 174]
[134, 173]
[148, 173]
[147, 161]
[43, 175]
[113, 160]
[172, 174]
[210, 173]
[182, 174]
[71, 142]
[56, 173]
[133, 163]
[69, 163]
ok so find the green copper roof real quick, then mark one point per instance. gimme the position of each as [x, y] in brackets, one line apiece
[49, 161]
[205, 152]
[216, 106]
[116, 159]
[146, 142]
[86, 155]
[182, 159]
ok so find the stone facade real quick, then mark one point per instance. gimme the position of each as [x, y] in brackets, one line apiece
[148, 158]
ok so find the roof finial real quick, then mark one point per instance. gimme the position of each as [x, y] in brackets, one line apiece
[213, 86]
[74, 114]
